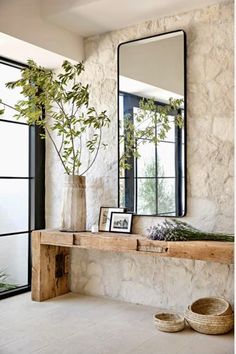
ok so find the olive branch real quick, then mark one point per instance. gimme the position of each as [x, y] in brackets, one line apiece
[150, 123]
[60, 104]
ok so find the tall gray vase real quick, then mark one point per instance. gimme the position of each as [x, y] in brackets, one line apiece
[74, 204]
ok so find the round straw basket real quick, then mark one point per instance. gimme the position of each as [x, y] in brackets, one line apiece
[211, 306]
[209, 324]
[169, 322]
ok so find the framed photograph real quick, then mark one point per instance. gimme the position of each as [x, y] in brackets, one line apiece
[121, 222]
[105, 217]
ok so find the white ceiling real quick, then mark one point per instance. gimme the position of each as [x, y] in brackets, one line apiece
[91, 17]
[50, 31]
[16, 49]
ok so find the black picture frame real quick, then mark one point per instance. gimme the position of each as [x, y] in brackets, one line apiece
[125, 225]
[103, 209]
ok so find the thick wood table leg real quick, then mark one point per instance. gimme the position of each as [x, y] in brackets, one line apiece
[49, 273]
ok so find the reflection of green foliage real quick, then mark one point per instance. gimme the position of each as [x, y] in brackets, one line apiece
[156, 121]
[3, 282]
[166, 197]
[147, 192]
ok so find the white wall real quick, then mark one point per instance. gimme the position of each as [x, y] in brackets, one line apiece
[22, 19]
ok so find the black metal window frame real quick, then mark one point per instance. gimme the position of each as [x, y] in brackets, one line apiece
[36, 186]
[131, 178]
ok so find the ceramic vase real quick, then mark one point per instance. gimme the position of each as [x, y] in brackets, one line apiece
[74, 204]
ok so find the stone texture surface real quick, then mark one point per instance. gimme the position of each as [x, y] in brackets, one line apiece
[164, 282]
[150, 280]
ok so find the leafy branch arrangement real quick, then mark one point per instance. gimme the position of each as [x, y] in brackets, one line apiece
[3, 282]
[151, 122]
[175, 230]
[60, 103]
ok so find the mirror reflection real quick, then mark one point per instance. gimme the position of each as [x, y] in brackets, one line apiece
[151, 84]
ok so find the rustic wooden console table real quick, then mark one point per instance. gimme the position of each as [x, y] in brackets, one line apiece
[50, 254]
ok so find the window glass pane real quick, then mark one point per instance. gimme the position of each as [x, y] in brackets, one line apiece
[143, 119]
[146, 166]
[166, 195]
[9, 96]
[13, 261]
[146, 198]
[121, 153]
[183, 136]
[122, 193]
[14, 150]
[170, 136]
[166, 159]
[13, 205]
[9, 114]
[121, 114]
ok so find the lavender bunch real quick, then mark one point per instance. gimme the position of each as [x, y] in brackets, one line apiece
[175, 230]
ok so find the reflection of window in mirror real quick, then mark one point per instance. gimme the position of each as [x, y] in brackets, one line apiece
[154, 183]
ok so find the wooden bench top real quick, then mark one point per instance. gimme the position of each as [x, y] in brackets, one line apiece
[215, 251]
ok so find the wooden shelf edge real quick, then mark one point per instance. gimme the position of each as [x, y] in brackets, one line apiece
[212, 251]
[215, 251]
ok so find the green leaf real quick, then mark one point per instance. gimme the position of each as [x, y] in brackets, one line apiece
[66, 103]
[150, 123]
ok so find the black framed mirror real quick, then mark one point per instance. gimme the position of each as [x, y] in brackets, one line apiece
[151, 99]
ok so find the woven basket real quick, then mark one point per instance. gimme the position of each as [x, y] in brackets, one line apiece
[209, 324]
[169, 322]
[211, 306]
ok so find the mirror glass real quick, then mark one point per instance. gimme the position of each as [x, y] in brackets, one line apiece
[151, 78]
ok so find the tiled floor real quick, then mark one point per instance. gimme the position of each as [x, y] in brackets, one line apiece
[76, 324]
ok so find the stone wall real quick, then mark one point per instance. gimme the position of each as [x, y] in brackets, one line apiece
[150, 280]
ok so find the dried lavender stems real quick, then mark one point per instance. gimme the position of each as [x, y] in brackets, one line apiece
[175, 230]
